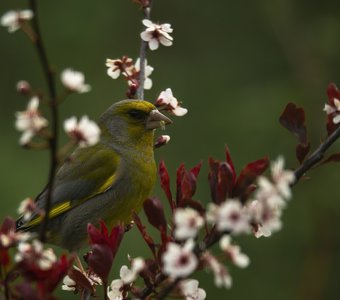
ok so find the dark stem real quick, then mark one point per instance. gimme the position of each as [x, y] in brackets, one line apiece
[316, 156]
[142, 55]
[49, 76]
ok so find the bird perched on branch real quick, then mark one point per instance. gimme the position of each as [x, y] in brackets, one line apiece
[106, 181]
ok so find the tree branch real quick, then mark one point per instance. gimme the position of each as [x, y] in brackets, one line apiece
[142, 53]
[316, 156]
[49, 76]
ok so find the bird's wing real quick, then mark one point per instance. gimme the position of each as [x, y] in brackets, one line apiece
[87, 173]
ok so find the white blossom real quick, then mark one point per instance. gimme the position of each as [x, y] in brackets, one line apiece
[155, 34]
[30, 121]
[147, 72]
[282, 178]
[129, 275]
[229, 216]
[117, 66]
[74, 81]
[68, 284]
[191, 291]
[85, 132]
[329, 109]
[179, 261]
[167, 99]
[43, 258]
[26, 208]
[221, 274]
[266, 217]
[162, 141]
[114, 290]
[188, 222]
[13, 19]
[234, 252]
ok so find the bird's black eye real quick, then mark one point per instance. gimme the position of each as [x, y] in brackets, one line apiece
[137, 114]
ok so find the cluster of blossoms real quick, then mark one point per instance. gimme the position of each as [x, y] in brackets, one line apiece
[332, 108]
[13, 20]
[32, 123]
[130, 71]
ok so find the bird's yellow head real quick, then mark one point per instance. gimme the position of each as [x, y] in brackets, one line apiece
[131, 122]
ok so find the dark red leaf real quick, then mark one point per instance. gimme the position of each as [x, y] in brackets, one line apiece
[7, 225]
[186, 182]
[58, 272]
[301, 151]
[80, 279]
[248, 176]
[231, 164]
[154, 211]
[188, 186]
[165, 183]
[196, 170]
[100, 260]
[221, 178]
[293, 119]
[332, 158]
[332, 93]
[102, 237]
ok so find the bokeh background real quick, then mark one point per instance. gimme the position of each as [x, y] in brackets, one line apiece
[234, 64]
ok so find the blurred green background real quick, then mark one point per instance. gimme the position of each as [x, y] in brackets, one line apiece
[234, 64]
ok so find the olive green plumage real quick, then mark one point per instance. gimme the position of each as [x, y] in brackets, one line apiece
[106, 181]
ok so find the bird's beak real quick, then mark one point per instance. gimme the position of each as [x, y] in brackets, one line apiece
[156, 120]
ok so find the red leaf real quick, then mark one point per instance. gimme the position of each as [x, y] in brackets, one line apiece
[248, 176]
[221, 179]
[165, 183]
[332, 92]
[154, 211]
[80, 279]
[301, 151]
[196, 170]
[231, 164]
[186, 182]
[101, 237]
[293, 119]
[332, 158]
[100, 260]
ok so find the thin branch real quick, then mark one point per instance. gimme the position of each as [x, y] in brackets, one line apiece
[142, 53]
[49, 76]
[316, 156]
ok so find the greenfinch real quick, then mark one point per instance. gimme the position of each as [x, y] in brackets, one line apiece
[107, 181]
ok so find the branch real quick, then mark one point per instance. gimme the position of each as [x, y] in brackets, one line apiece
[316, 156]
[49, 76]
[142, 53]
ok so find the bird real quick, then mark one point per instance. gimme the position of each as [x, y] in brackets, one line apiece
[106, 181]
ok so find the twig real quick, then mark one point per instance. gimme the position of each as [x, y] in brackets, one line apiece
[142, 53]
[316, 156]
[49, 76]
